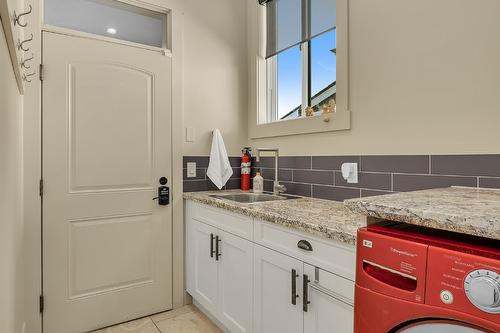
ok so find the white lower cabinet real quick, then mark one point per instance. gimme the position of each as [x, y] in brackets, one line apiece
[253, 288]
[235, 283]
[330, 302]
[278, 292]
[201, 267]
[219, 274]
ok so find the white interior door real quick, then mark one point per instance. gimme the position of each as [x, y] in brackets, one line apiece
[107, 254]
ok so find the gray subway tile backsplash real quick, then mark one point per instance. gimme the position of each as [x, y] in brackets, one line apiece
[466, 165]
[268, 174]
[335, 193]
[320, 177]
[372, 193]
[200, 174]
[395, 163]
[403, 183]
[489, 182]
[295, 162]
[332, 162]
[265, 162]
[313, 177]
[374, 181]
[298, 189]
[201, 161]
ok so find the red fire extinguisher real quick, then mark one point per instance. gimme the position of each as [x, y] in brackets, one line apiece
[246, 163]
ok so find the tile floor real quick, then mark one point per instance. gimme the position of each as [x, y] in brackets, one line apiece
[187, 319]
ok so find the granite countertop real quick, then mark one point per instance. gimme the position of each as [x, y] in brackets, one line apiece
[465, 210]
[324, 218]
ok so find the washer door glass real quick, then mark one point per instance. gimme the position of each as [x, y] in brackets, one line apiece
[440, 328]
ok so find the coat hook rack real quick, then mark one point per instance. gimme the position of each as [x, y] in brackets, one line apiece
[20, 45]
[17, 17]
[27, 76]
[14, 24]
[23, 62]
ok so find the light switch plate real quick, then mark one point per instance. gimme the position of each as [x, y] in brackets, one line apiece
[191, 169]
[190, 134]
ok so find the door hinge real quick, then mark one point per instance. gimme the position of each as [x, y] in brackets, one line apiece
[40, 188]
[40, 72]
[42, 303]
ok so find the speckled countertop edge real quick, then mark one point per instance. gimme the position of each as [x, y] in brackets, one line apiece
[465, 210]
[322, 218]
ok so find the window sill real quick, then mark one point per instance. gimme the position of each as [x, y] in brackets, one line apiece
[338, 121]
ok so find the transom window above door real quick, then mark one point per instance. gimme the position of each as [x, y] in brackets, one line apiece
[110, 18]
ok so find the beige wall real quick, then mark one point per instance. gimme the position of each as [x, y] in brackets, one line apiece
[215, 73]
[11, 222]
[424, 78]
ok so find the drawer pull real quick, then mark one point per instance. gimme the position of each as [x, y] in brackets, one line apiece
[294, 286]
[304, 245]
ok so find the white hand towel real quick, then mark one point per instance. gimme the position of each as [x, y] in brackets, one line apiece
[219, 170]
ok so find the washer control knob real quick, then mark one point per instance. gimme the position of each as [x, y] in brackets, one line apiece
[482, 287]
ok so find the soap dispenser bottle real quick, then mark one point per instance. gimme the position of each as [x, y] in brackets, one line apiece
[258, 183]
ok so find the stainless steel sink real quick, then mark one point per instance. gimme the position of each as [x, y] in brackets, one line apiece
[253, 197]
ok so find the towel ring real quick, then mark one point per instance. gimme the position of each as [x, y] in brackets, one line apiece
[17, 17]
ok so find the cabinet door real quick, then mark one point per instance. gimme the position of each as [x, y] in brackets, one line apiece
[273, 280]
[235, 283]
[330, 303]
[200, 265]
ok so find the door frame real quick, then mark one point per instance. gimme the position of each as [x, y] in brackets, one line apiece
[32, 163]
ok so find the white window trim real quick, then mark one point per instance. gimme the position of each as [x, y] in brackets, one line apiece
[261, 109]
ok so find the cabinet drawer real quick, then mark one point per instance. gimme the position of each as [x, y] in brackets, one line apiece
[235, 224]
[330, 284]
[330, 302]
[328, 255]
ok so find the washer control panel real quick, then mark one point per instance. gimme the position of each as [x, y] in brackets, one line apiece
[482, 287]
[463, 282]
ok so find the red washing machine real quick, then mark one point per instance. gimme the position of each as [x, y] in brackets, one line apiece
[416, 280]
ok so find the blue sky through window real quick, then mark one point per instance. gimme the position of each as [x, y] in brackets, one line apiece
[323, 71]
[323, 62]
[289, 80]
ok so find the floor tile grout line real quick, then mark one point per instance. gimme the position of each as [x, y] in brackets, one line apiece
[157, 328]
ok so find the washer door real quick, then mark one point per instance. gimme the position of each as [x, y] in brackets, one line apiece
[440, 326]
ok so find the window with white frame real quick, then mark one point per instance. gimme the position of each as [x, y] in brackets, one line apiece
[301, 76]
[301, 65]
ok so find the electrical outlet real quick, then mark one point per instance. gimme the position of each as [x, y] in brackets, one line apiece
[350, 172]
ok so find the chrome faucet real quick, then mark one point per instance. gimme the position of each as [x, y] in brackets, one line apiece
[277, 187]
